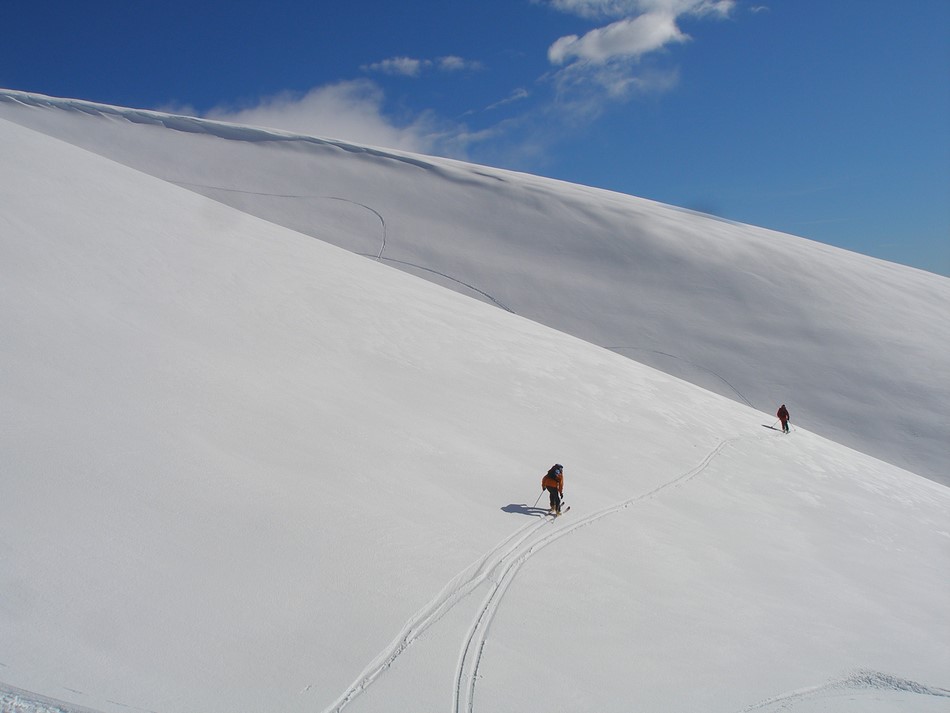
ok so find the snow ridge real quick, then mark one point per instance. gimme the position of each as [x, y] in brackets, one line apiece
[196, 125]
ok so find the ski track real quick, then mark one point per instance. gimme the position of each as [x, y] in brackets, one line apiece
[382, 221]
[375, 212]
[862, 680]
[457, 589]
[503, 560]
[473, 648]
[448, 277]
[694, 364]
[500, 564]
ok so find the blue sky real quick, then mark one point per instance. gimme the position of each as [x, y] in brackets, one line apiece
[828, 120]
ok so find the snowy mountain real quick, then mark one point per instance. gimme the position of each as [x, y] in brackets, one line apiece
[855, 346]
[245, 469]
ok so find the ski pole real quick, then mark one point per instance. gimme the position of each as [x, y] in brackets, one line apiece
[538, 500]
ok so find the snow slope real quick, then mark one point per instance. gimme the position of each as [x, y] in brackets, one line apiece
[243, 469]
[855, 346]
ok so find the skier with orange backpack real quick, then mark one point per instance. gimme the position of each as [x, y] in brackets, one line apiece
[553, 482]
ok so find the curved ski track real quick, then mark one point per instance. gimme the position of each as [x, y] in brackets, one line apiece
[501, 565]
[687, 361]
[457, 589]
[382, 221]
[472, 649]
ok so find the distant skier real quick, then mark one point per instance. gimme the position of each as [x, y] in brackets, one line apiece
[783, 417]
[553, 482]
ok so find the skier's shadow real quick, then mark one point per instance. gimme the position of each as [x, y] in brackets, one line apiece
[522, 509]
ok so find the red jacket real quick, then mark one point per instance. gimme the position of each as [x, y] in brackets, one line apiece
[783, 414]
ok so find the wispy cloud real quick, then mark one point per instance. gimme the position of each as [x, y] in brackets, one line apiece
[627, 8]
[586, 89]
[400, 66]
[607, 64]
[458, 64]
[594, 9]
[412, 67]
[609, 57]
[516, 95]
[348, 111]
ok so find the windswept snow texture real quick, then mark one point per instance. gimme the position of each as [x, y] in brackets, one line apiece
[246, 470]
[856, 347]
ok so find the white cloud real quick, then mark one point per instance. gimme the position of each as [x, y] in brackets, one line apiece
[608, 63]
[645, 26]
[457, 64]
[628, 38]
[348, 111]
[411, 67]
[596, 8]
[723, 8]
[631, 8]
[402, 66]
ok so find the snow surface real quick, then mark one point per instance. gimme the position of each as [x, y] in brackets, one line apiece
[856, 347]
[243, 469]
